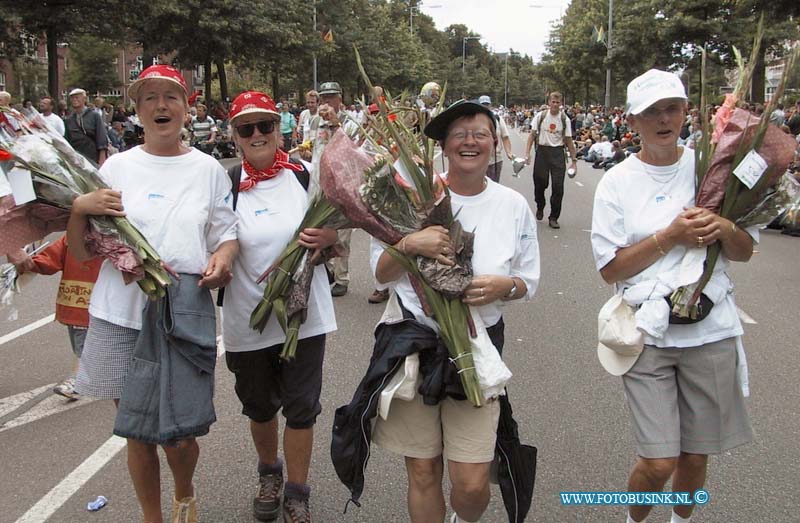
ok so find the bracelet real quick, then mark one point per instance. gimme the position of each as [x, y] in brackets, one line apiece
[658, 245]
[402, 245]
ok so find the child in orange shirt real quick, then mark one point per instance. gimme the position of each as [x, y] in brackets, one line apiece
[72, 301]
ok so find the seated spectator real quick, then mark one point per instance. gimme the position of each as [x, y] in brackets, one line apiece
[600, 151]
[617, 156]
[634, 147]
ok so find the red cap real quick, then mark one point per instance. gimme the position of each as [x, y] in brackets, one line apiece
[252, 102]
[373, 109]
[161, 71]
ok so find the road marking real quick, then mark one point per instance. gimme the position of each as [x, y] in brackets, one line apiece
[12, 403]
[53, 404]
[579, 184]
[59, 494]
[26, 329]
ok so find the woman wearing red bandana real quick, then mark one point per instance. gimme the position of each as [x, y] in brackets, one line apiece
[270, 205]
[179, 198]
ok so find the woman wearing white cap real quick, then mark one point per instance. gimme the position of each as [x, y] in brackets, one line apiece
[682, 389]
[270, 201]
[178, 198]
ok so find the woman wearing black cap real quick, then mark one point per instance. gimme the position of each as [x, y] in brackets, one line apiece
[506, 268]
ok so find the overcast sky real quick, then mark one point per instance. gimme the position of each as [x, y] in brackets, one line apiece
[503, 24]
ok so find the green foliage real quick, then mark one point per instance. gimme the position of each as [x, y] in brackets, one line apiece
[92, 64]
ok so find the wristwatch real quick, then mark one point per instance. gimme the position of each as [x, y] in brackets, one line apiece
[513, 290]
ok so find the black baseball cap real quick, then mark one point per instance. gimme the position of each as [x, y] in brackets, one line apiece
[437, 128]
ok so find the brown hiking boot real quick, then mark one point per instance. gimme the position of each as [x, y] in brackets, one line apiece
[296, 510]
[267, 503]
[378, 296]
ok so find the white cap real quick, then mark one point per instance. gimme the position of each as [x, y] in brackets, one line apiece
[77, 90]
[621, 342]
[652, 86]
[484, 100]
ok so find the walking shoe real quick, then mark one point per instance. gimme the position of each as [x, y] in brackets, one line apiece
[67, 389]
[378, 296]
[539, 214]
[338, 290]
[185, 510]
[267, 503]
[553, 223]
[296, 510]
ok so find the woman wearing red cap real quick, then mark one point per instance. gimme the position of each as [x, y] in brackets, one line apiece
[270, 204]
[179, 198]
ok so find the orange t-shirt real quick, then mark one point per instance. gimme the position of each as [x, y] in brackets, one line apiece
[77, 281]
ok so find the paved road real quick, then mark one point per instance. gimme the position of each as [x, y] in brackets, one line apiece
[56, 456]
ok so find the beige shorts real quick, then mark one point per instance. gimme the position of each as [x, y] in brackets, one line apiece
[452, 428]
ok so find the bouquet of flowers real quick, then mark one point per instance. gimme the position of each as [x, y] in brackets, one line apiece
[394, 192]
[289, 278]
[741, 163]
[59, 175]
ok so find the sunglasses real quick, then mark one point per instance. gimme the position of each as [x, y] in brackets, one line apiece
[247, 130]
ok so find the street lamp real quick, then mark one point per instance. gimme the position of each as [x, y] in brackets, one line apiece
[412, 9]
[608, 54]
[464, 52]
[505, 90]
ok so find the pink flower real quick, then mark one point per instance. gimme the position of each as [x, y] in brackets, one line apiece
[723, 116]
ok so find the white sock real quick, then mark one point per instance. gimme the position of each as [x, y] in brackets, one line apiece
[677, 519]
[631, 520]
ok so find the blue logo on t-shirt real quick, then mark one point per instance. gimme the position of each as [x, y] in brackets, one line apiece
[155, 196]
[259, 212]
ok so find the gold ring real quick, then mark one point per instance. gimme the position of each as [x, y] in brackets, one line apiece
[481, 292]
[700, 241]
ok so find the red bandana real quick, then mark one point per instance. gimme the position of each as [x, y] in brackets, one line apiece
[254, 175]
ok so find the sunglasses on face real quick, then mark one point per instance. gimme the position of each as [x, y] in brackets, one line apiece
[247, 130]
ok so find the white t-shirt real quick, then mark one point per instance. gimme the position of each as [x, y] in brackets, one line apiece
[553, 131]
[502, 131]
[304, 123]
[55, 121]
[181, 204]
[633, 201]
[269, 215]
[505, 244]
[605, 149]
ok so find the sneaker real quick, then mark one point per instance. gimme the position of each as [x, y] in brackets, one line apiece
[338, 290]
[267, 503]
[539, 214]
[296, 510]
[378, 296]
[553, 223]
[185, 510]
[67, 389]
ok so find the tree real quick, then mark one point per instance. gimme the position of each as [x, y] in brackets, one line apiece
[92, 66]
[58, 20]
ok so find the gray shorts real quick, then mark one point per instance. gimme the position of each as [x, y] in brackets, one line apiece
[687, 400]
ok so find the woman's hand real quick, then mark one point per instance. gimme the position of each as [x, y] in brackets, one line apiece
[432, 242]
[317, 239]
[102, 202]
[218, 272]
[695, 227]
[486, 289]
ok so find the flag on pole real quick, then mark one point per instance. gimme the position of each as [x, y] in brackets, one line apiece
[598, 35]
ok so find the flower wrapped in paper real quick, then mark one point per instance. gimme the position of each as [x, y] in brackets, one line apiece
[741, 167]
[56, 175]
[388, 187]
